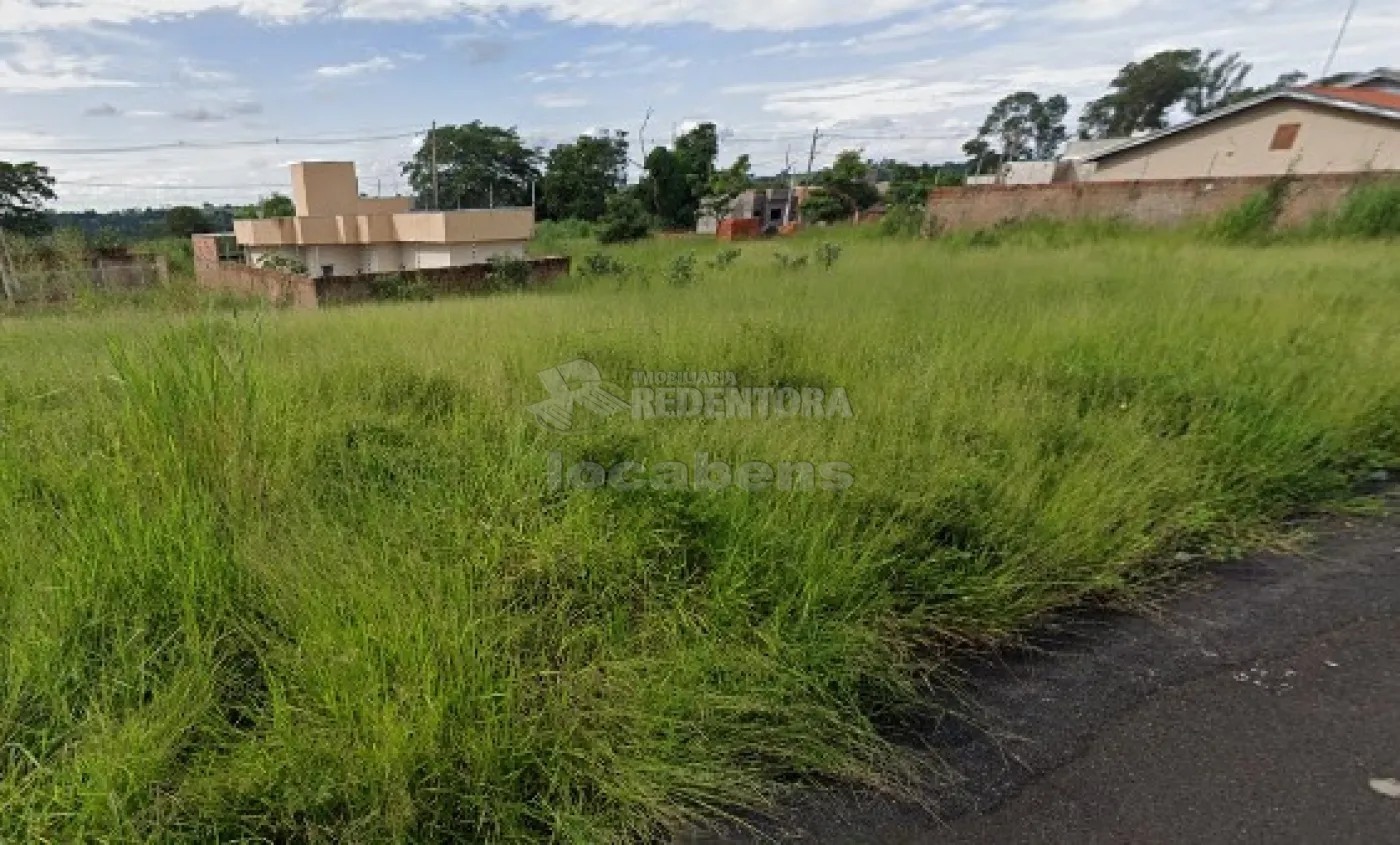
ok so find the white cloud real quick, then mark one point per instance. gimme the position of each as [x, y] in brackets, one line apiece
[560, 101]
[33, 65]
[378, 64]
[730, 15]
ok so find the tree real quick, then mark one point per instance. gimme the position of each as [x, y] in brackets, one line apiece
[182, 221]
[625, 219]
[1285, 80]
[1219, 82]
[844, 189]
[579, 177]
[725, 187]
[677, 180]
[275, 205]
[1143, 95]
[849, 179]
[981, 158]
[25, 188]
[478, 166]
[1022, 127]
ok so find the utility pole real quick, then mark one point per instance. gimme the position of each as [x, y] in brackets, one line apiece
[812, 157]
[792, 186]
[437, 193]
[1341, 35]
[7, 270]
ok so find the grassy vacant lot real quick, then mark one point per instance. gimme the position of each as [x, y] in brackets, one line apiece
[302, 577]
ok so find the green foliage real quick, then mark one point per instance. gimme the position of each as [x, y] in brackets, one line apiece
[903, 221]
[508, 272]
[626, 220]
[283, 263]
[603, 264]
[1143, 95]
[340, 600]
[271, 206]
[821, 206]
[478, 166]
[676, 180]
[725, 187]
[580, 176]
[1369, 211]
[681, 272]
[25, 188]
[1022, 127]
[725, 258]
[182, 221]
[788, 261]
[828, 254]
[400, 287]
[1253, 220]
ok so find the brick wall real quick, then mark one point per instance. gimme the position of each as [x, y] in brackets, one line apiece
[470, 279]
[1151, 203]
[237, 278]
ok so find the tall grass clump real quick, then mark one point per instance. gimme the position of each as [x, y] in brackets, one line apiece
[1252, 221]
[308, 577]
[1370, 211]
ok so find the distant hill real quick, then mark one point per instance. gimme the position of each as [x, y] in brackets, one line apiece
[135, 223]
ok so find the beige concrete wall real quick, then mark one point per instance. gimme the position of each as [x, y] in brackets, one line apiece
[1329, 141]
[419, 228]
[427, 256]
[343, 260]
[387, 205]
[500, 224]
[325, 188]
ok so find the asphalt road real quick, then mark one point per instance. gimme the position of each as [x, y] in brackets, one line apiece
[1257, 708]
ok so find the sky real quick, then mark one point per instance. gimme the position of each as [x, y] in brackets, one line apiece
[362, 79]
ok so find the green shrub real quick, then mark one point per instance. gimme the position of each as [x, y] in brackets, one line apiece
[602, 264]
[725, 257]
[625, 220]
[681, 271]
[508, 272]
[828, 254]
[903, 221]
[1369, 211]
[397, 287]
[1253, 220]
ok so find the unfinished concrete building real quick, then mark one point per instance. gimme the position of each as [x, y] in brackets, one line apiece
[339, 233]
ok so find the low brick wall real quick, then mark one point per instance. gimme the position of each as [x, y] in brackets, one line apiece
[1150, 203]
[448, 281]
[276, 287]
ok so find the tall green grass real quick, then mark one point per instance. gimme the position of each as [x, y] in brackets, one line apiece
[301, 577]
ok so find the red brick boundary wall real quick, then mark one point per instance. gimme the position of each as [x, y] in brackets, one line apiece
[1165, 202]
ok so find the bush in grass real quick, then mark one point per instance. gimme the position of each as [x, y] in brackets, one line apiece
[626, 220]
[1252, 221]
[828, 254]
[681, 271]
[397, 287]
[725, 257]
[1369, 211]
[602, 264]
[788, 261]
[508, 273]
[902, 221]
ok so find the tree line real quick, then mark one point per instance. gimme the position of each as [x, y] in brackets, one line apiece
[1142, 97]
[476, 165]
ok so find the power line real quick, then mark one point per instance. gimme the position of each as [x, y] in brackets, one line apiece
[1341, 35]
[210, 145]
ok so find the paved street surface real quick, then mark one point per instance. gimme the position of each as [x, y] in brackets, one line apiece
[1261, 707]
